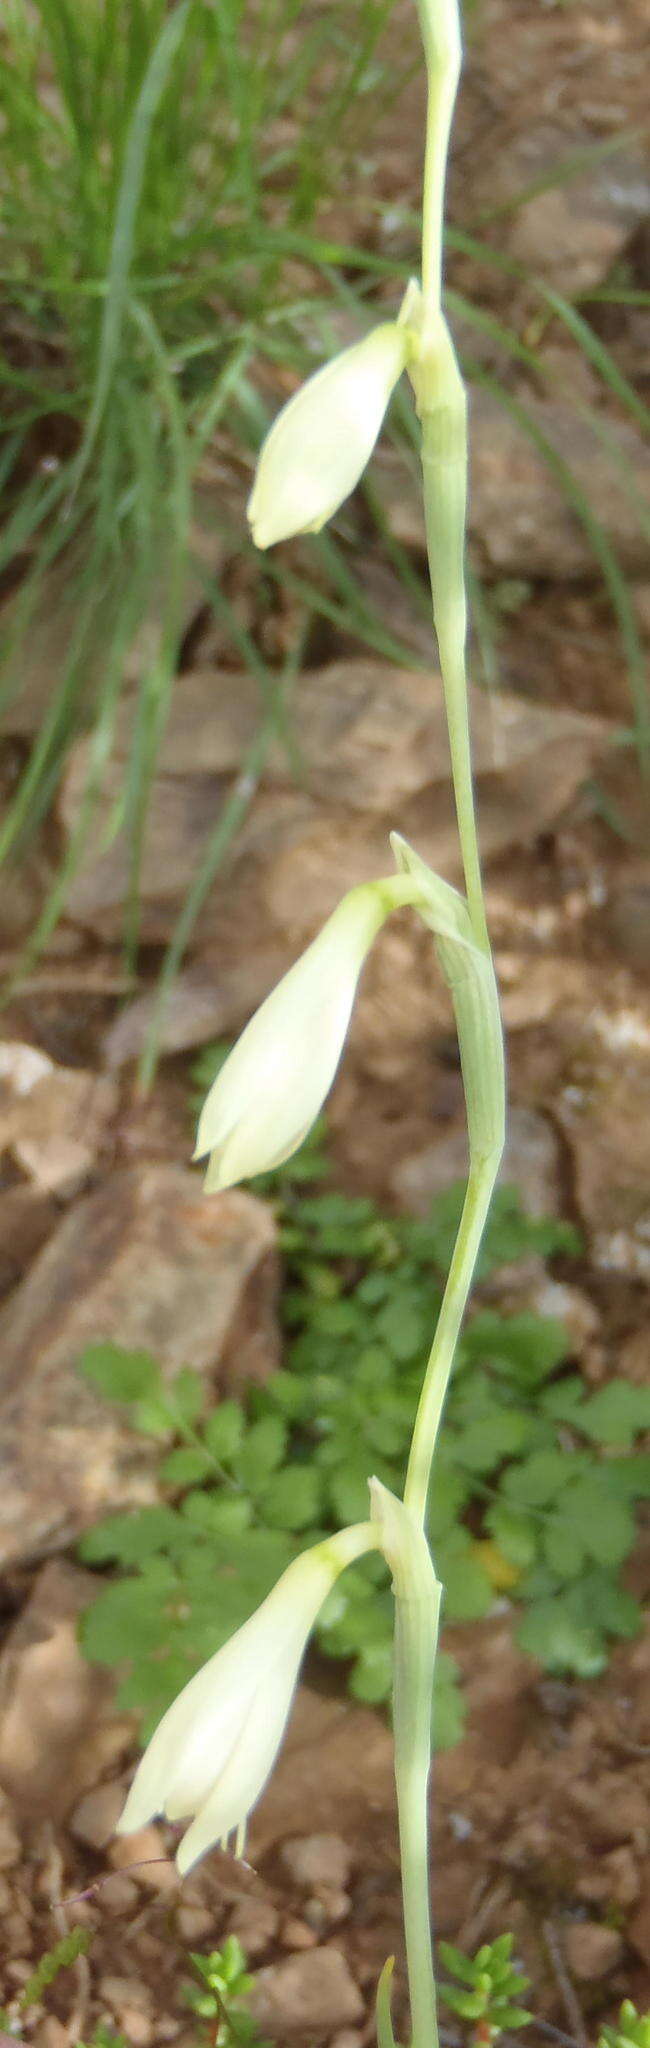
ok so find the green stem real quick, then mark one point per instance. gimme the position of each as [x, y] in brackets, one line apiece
[478, 1196]
[442, 406]
[444, 469]
[442, 47]
[416, 1642]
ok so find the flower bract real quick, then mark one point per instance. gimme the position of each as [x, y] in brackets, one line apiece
[319, 445]
[274, 1082]
[212, 1753]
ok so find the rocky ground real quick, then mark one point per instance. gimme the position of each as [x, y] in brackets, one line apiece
[541, 1815]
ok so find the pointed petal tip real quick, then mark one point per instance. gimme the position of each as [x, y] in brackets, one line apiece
[217, 1182]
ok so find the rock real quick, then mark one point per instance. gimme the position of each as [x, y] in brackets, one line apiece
[120, 1896]
[569, 1305]
[95, 1818]
[130, 2001]
[58, 1726]
[316, 1859]
[614, 1880]
[592, 1950]
[309, 1993]
[572, 233]
[626, 921]
[198, 1007]
[297, 1934]
[530, 1162]
[634, 1358]
[10, 1845]
[255, 1923]
[27, 1219]
[603, 1111]
[337, 1763]
[147, 1262]
[612, 1809]
[638, 1928]
[53, 1119]
[520, 521]
[497, 1686]
[50, 2034]
[145, 1856]
[297, 850]
[194, 1924]
[326, 1907]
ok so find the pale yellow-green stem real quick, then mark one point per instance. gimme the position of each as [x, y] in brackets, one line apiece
[416, 1643]
[443, 52]
[444, 469]
[442, 408]
[478, 1196]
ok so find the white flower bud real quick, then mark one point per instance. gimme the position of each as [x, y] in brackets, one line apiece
[274, 1082]
[319, 445]
[213, 1751]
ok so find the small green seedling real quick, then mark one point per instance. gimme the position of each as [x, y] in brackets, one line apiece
[488, 1989]
[631, 2030]
[218, 2001]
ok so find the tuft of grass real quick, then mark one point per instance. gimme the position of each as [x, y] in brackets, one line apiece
[162, 190]
[156, 164]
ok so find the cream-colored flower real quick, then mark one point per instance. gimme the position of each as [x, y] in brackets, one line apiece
[213, 1751]
[319, 445]
[274, 1082]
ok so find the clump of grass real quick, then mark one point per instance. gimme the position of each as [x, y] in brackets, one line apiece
[158, 167]
[162, 185]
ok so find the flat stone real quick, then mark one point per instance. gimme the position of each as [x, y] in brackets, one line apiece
[638, 1928]
[572, 233]
[130, 2001]
[95, 1818]
[27, 1219]
[316, 1859]
[149, 1263]
[145, 1857]
[309, 1993]
[255, 1923]
[327, 1905]
[613, 1879]
[337, 1764]
[50, 2034]
[52, 1119]
[296, 1934]
[520, 519]
[592, 1950]
[603, 1111]
[58, 1726]
[530, 1163]
[194, 1924]
[298, 849]
[10, 1845]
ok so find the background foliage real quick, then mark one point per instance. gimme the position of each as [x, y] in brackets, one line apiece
[535, 1478]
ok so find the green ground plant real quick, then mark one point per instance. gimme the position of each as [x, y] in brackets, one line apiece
[487, 1991]
[218, 1999]
[536, 1477]
[483, 1991]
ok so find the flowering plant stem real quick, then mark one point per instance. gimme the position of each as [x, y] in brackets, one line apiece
[442, 407]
